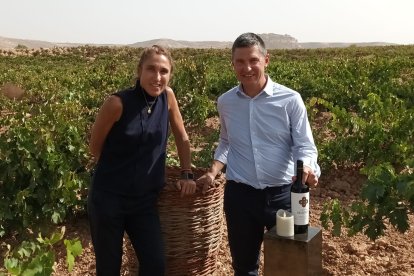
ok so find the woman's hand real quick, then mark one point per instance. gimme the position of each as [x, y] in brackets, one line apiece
[186, 186]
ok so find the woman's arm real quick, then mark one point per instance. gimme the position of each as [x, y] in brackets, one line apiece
[108, 114]
[182, 142]
[180, 135]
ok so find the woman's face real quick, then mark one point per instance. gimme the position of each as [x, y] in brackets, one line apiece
[155, 74]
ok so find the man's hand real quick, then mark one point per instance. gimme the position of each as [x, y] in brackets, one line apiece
[309, 177]
[207, 181]
[186, 186]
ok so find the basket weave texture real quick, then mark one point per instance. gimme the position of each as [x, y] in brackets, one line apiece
[192, 226]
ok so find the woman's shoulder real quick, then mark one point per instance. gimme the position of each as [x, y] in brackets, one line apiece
[172, 101]
[113, 104]
[169, 91]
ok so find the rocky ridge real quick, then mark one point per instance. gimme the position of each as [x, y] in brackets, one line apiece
[273, 41]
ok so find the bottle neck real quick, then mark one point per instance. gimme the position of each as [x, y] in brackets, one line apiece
[299, 172]
[299, 177]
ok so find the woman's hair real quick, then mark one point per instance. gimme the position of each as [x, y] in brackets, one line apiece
[249, 40]
[155, 50]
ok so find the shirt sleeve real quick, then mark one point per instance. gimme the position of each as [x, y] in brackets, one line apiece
[223, 147]
[303, 144]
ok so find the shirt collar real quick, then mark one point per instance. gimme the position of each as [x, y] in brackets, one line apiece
[268, 89]
[269, 86]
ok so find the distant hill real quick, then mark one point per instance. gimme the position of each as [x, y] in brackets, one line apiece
[314, 45]
[273, 41]
[11, 43]
[170, 43]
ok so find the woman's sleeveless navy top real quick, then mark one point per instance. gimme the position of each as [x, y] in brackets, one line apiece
[132, 162]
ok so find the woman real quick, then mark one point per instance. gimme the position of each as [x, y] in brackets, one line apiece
[128, 141]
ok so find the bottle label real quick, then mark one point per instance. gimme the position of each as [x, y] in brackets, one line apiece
[300, 208]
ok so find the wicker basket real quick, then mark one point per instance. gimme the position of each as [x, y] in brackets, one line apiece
[192, 227]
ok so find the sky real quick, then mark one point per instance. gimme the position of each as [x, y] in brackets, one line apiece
[130, 21]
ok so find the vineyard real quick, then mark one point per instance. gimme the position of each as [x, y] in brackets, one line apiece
[360, 103]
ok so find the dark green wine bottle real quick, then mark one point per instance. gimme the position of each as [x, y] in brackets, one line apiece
[299, 196]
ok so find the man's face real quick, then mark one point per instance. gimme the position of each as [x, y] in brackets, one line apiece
[249, 64]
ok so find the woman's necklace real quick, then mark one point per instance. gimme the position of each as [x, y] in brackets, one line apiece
[149, 106]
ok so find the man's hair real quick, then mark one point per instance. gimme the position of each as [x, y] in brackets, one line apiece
[247, 40]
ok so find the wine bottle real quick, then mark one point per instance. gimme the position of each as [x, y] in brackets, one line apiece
[299, 196]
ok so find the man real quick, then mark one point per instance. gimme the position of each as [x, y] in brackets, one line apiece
[264, 130]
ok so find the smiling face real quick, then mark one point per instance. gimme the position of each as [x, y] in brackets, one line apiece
[154, 73]
[250, 63]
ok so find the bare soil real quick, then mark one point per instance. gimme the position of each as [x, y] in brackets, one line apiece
[357, 255]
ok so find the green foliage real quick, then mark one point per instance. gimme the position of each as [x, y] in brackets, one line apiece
[332, 212]
[73, 249]
[377, 131]
[386, 196]
[172, 156]
[195, 103]
[42, 164]
[38, 257]
[207, 144]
